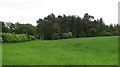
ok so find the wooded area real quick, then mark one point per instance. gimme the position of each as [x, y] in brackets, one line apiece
[62, 27]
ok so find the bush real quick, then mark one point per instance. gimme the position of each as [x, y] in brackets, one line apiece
[55, 36]
[0, 34]
[31, 37]
[92, 32]
[1, 37]
[17, 38]
[64, 35]
[116, 33]
[67, 35]
[108, 34]
[7, 37]
[105, 33]
[82, 34]
[1, 40]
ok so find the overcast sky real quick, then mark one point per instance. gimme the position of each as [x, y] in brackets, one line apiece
[29, 11]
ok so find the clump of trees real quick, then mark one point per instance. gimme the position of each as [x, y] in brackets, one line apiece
[17, 28]
[62, 27]
[17, 32]
[74, 27]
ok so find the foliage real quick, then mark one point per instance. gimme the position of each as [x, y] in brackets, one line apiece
[86, 26]
[55, 36]
[105, 33]
[17, 28]
[79, 27]
[8, 37]
[82, 34]
[64, 35]
[25, 29]
[92, 32]
[1, 37]
[69, 35]
[5, 29]
[32, 37]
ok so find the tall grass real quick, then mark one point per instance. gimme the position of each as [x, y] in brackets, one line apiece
[79, 51]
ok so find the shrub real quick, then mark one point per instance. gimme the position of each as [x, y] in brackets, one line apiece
[0, 34]
[18, 38]
[116, 33]
[108, 34]
[55, 36]
[105, 33]
[69, 35]
[64, 35]
[1, 40]
[1, 37]
[92, 32]
[31, 37]
[82, 34]
[7, 37]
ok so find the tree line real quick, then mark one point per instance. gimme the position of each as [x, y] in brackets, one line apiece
[52, 27]
[18, 28]
[61, 27]
[17, 32]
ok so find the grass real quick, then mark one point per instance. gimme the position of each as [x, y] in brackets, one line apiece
[78, 51]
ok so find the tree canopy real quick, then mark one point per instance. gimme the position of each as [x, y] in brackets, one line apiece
[72, 26]
[79, 27]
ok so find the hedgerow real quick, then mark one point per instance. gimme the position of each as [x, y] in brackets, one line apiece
[9, 38]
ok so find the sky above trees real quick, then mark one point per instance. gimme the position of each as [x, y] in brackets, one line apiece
[29, 11]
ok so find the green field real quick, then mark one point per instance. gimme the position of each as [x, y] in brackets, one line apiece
[78, 51]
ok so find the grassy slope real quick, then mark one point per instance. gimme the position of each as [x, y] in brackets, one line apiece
[97, 50]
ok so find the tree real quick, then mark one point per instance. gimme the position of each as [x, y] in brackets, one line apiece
[5, 29]
[45, 27]
[25, 29]
[92, 32]
[55, 36]
[87, 26]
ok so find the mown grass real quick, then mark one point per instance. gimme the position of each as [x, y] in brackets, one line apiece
[79, 51]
